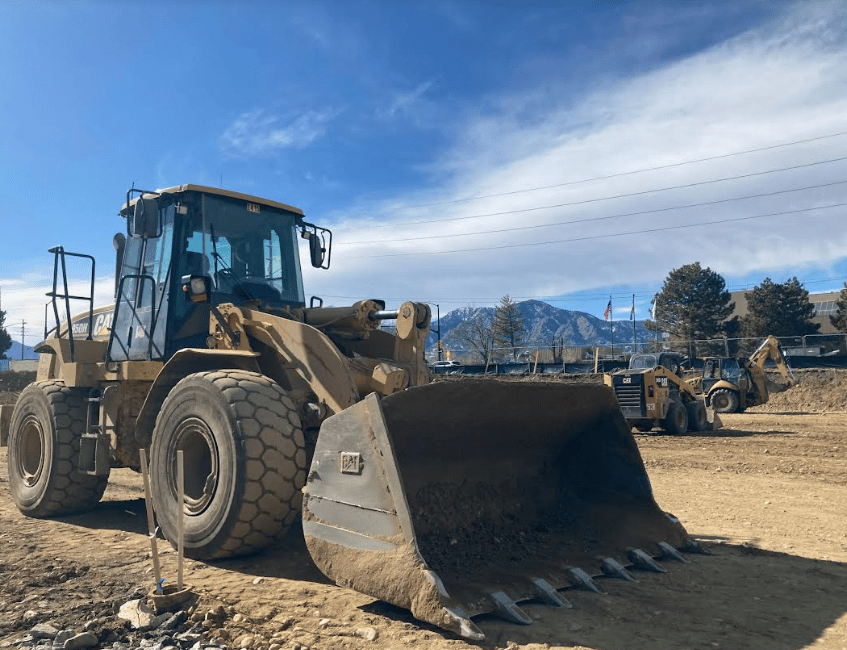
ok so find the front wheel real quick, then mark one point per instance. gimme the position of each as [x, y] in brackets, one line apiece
[697, 417]
[724, 401]
[676, 422]
[48, 420]
[244, 461]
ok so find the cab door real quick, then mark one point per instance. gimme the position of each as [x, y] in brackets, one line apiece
[141, 304]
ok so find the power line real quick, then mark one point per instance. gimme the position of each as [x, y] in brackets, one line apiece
[606, 198]
[593, 219]
[589, 237]
[572, 297]
[628, 173]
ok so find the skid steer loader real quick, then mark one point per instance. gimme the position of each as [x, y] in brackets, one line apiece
[449, 499]
[653, 393]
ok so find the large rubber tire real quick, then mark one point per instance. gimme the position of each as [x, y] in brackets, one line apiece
[724, 400]
[245, 463]
[676, 421]
[44, 436]
[697, 418]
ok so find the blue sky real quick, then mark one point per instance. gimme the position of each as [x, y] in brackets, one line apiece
[448, 145]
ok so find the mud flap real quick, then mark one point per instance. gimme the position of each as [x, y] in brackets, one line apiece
[457, 498]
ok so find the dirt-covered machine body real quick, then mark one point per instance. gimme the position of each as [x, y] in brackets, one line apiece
[449, 498]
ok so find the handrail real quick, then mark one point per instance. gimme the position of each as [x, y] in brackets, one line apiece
[60, 253]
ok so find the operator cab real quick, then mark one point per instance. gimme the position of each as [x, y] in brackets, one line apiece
[190, 248]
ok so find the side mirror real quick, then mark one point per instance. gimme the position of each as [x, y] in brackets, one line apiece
[316, 251]
[145, 218]
[119, 242]
[320, 244]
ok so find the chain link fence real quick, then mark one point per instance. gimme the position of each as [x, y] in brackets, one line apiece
[811, 350]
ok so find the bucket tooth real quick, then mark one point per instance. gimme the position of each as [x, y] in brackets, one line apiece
[506, 607]
[693, 546]
[550, 596]
[454, 618]
[612, 567]
[643, 561]
[584, 580]
[670, 551]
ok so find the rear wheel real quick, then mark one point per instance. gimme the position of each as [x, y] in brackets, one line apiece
[676, 421]
[44, 436]
[724, 400]
[245, 462]
[697, 419]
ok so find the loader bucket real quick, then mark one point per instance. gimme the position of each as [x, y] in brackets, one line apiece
[456, 499]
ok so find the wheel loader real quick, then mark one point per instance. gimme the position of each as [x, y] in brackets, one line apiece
[731, 385]
[653, 393]
[450, 499]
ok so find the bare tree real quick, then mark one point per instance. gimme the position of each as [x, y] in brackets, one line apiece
[479, 336]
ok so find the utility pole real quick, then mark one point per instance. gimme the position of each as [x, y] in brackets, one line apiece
[438, 331]
[23, 337]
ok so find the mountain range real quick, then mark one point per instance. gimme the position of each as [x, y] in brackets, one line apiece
[544, 325]
[14, 352]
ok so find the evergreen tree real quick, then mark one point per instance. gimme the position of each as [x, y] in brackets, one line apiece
[839, 319]
[693, 304]
[779, 309]
[5, 338]
[508, 326]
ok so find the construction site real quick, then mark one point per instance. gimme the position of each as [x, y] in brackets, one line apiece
[210, 462]
[764, 496]
[371, 326]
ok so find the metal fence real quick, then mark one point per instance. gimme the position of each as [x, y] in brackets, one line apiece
[826, 347]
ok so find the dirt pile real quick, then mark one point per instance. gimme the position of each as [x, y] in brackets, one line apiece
[818, 390]
[12, 383]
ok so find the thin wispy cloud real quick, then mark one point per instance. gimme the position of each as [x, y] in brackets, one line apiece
[404, 102]
[259, 133]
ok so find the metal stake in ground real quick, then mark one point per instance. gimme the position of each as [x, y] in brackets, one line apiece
[180, 546]
[151, 525]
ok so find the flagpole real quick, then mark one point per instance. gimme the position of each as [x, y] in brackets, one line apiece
[632, 316]
[656, 322]
[612, 326]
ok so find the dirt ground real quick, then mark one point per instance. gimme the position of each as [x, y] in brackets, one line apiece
[766, 496]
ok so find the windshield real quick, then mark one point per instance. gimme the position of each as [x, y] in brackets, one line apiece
[643, 361]
[254, 253]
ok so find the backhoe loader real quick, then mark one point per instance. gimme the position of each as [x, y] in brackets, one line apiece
[451, 499]
[732, 385]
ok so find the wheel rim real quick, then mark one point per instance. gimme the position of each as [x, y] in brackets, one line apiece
[720, 401]
[200, 456]
[31, 451]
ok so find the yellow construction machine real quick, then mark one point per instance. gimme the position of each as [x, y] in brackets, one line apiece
[653, 393]
[731, 385]
[451, 499]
